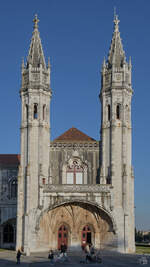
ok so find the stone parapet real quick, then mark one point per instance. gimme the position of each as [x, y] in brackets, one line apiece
[90, 145]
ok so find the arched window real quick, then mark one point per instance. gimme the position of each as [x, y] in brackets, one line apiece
[75, 174]
[8, 234]
[44, 112]
[13, 187]
[118, 112]
[108, 112]
[26, 112]
[35, 112]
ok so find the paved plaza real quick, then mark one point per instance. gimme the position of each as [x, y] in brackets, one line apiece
[8, 258]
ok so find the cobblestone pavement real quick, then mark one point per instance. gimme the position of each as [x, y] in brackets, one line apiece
[8, 258]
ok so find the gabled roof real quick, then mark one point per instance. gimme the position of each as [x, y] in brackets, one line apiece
[9, 159]
[73, 134]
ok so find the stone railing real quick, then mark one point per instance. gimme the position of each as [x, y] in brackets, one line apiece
[77, 188]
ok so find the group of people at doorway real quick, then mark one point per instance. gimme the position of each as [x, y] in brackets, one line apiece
[62, 255]
[89, 250]
[91, 254]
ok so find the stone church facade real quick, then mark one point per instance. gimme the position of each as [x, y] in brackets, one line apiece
[73, 189]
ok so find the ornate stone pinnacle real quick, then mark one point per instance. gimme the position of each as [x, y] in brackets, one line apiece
[36, 21]
[116, 22]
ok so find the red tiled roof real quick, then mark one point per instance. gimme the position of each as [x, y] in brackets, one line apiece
[73, 134]
[10, 159]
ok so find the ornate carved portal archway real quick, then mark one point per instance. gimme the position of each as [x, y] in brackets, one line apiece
[77, 219]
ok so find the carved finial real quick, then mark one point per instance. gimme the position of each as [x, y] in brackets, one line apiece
[22, 65]
[130, 64]
[104, 64]
[116, 22]
[36, 21]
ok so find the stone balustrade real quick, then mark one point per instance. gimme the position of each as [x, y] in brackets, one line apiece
[98, 188]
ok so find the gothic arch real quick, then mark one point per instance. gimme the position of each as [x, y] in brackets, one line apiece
[8, 232]
[89, 224]
[62, 223]
[13, 184]
[83, 203]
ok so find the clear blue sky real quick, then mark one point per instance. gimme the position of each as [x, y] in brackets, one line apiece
[76, 34]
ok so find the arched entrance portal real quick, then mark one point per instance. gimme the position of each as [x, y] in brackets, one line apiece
[62, 236]
[86, 236]
[75, 224]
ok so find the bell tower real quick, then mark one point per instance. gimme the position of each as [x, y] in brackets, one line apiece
[116, 167]
[35, 95]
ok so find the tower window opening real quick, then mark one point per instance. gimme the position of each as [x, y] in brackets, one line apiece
[35, 114]
[108, 110]
[44, 112]
[26, 112]
[118, 112]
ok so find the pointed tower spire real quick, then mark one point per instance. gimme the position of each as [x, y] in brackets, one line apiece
[116, 55]
[36, 55]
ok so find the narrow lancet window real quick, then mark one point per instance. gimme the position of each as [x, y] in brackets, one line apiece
[26, 112]
[44, 112]
[118, 111]
[108, 110]
[35, 114]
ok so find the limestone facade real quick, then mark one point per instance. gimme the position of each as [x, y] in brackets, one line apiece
[75, 189]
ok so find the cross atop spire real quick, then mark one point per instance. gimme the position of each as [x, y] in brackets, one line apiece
[36, 21]
[116, 23]
[36, 55]
[116, 56]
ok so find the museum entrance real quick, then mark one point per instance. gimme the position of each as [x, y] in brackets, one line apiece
[86, 236]
[62, 236]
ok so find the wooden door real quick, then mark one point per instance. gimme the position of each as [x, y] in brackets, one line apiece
[86, 236]
[62, 236]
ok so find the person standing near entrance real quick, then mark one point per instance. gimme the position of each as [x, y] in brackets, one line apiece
[87, 248]
[63, 249]
[92, 250]
[51, 256]
[18, 256]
